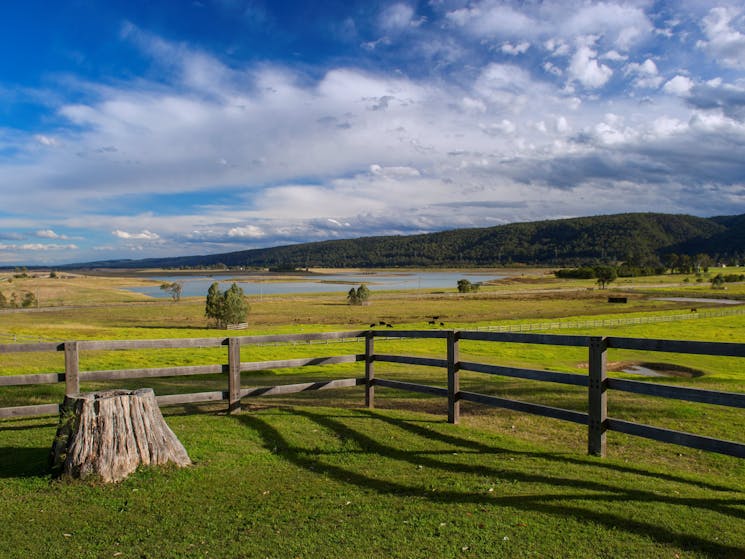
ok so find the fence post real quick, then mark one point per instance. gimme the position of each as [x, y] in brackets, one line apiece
[72, 368]
[453, 378]
[369, 370]
[597, 397]
[234, 375]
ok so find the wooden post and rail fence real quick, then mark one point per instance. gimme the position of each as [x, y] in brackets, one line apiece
[597, 382]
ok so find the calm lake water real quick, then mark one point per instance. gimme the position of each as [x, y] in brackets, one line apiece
[317, 283]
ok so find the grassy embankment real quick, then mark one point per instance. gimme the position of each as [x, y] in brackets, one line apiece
[332, 482]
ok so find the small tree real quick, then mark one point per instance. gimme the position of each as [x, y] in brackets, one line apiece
[213, 304]
[29, 300]
[363, 293]
[465, 286]
[605, 275]
[717, 282]
[358, 296]
[174, 289]
[703, 262]
[235, 307]
[226, 308]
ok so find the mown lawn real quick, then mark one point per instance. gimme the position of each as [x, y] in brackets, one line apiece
[330, 482]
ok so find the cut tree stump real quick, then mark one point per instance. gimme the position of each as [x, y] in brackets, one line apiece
[107, 435]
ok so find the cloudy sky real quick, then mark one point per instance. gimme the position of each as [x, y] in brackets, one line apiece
[141, 128]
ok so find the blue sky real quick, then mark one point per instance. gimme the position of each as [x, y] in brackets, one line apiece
[139, 129]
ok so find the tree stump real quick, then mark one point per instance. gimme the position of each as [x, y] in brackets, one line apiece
[108, 434]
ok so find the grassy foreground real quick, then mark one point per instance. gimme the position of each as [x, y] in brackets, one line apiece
[289, 480]
[322, 482]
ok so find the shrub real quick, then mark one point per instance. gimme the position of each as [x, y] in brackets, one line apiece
[575, 273]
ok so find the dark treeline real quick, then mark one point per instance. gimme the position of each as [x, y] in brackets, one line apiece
[645, 241]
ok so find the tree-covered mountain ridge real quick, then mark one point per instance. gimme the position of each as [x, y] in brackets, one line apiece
[628, 237]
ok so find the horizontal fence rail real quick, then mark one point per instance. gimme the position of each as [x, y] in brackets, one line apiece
[596, 382]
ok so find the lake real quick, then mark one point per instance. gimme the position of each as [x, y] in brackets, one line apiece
[258, 285]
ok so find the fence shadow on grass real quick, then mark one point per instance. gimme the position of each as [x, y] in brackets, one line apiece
[439, 452]
[416, 429]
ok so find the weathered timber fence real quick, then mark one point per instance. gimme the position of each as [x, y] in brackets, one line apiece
[597, 381]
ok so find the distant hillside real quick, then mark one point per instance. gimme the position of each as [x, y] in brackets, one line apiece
[565, 242]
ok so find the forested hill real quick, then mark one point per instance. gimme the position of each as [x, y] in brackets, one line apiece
[624, 237]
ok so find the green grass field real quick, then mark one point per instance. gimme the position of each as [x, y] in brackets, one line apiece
[315, 475]
[330, 482]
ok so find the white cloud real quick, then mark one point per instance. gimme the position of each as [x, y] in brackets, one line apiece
[493, 19]
[585, 68]
[398, 17]
[725, 43]
[552, 69]
[614, 56]
[249, 231]
[338, 223]
[621, 24]
[666, 126]
[145, 235]
[646, 75]
[37, 247]
[514, 50]
[394, 172]
[470, 104]
[45, 140]
[557, 47]
[505, 126]
[679, 85]
[47, 234]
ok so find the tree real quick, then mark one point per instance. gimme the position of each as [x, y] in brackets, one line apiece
[703, 262]
[226, 308]
[671, 261]
[717, 282]
[29, 300]
[174, 289]
[605, 275]
[358, 296]
[213, 305]
[235, 307]
[465, 286]
[363, 293]
[685, 264]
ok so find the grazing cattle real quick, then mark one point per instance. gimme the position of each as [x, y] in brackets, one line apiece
[373, 325]
[388, 325]
[382, 323]
[694, 310]
[432, 322]
[435, 318]
[442, 324]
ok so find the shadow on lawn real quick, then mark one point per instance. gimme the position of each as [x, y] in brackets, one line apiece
[16, 462]
[566, 497]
